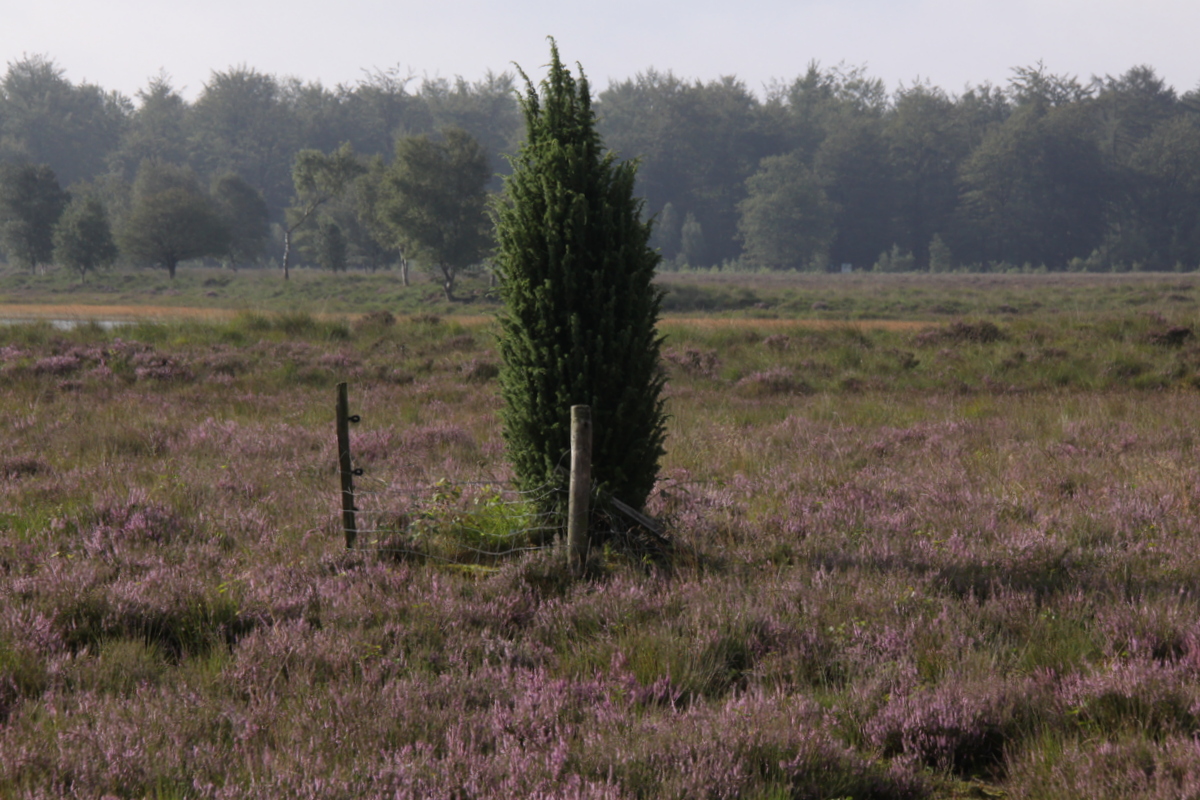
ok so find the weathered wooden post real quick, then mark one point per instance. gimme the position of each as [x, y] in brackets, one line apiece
[344, 465]
[580, 488]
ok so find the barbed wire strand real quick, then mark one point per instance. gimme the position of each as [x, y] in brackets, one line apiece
[451, 507]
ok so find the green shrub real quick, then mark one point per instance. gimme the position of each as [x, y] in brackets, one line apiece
[579, 323]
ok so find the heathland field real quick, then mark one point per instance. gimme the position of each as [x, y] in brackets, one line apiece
[926, 537]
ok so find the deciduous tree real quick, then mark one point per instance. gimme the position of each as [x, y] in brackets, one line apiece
[434, 200]
[356, 213]
[83, 239]
[697, 143]
[368, 233]
[318, 178]
[926, 142]
[171, 219]
[1035, 189]
[330, 246]
[45, 119]
[854, 170]
[241, 124]
[156, 130]
[1157, 220]
[244, 212]
[485, 109]
[31, 202]
[786, 220]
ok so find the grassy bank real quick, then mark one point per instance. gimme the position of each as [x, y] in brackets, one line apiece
[910, 561]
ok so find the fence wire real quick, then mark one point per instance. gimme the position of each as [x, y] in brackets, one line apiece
[454, 522]
[464, 522]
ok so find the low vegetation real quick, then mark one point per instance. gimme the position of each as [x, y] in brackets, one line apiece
[761, 295]
[947, 555]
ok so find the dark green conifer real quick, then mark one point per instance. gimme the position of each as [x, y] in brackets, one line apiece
[580, 307]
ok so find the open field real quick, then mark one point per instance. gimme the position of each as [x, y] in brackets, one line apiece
[920, 559]
[858, 296]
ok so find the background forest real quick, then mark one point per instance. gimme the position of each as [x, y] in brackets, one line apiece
[828, 169]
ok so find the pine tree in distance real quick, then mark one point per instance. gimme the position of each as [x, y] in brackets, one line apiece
[580, 307]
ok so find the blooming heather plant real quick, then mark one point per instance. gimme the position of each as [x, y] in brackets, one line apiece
[929, 586]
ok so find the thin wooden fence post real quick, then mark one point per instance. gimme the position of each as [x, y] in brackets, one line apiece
[580, 487]
[344, 465]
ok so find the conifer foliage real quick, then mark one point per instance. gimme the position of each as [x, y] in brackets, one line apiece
[580, 308]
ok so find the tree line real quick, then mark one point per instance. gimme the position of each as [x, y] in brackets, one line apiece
[832, 169]
[828, 169]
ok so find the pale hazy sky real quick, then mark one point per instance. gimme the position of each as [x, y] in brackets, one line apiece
[120, 44]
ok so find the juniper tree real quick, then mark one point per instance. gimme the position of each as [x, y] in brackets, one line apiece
[580, 308]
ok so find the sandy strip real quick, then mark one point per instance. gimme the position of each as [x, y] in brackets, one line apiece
[690, 321]
[116, 313]
[814, 324]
